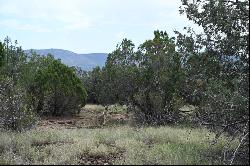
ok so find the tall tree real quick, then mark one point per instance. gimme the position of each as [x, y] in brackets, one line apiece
[224, 100]
[161, 79]
[120, 71]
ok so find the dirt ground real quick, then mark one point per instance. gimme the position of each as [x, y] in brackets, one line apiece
[86, 119]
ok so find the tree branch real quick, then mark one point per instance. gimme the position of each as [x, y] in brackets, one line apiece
[241, 142]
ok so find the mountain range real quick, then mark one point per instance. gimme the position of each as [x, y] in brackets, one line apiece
[85, 61]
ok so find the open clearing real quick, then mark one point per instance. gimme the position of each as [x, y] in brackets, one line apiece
[81, 140]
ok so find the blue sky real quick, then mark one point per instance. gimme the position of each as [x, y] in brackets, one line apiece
[86, 26]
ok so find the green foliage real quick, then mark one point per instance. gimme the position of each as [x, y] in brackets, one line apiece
[93, 85]
[16, 110]
[145, 80]
[227, 106]
[12, 59]
[162, 77]
[2, 55]
[218, 61]
[59, 89]
[225, 22]
[33, 84]
[120, 73]
[208, 70]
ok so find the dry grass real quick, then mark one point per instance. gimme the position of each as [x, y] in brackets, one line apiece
[118, 145]
[59, 143]
[112, 109]
[92, 116]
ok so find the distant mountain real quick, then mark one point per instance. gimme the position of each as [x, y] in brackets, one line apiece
[85, 61]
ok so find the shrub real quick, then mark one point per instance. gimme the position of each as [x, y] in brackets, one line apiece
[58, 90]
[15, 109]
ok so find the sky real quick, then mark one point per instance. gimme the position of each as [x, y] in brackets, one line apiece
[87, 26]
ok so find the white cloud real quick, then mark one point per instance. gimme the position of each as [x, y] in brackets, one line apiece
[94, 24]
[77, 26]
[11, 23]
[83, 14]
[80, 14]
[66, 12]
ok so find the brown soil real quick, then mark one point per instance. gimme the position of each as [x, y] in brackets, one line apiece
[86, 119]
[101, 160]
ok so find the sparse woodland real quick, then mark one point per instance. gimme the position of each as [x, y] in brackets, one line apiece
[208, 72]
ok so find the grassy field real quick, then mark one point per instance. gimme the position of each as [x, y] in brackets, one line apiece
[112, 145]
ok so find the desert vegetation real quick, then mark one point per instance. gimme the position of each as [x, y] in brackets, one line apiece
[180, 99]
[116, 145]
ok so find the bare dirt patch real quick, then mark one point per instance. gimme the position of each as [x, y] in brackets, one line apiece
[86, 119]
[100, 160]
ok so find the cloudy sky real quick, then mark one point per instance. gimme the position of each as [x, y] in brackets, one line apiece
[86, 26]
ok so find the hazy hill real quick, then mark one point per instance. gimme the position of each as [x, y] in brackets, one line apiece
[85, 61]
